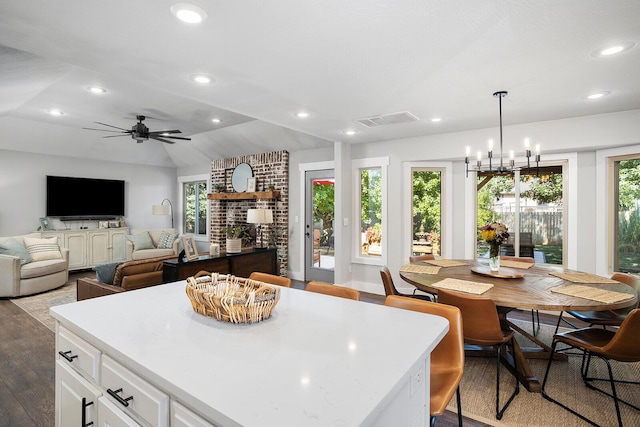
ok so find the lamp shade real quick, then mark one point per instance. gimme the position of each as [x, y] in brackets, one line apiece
[259, 216]
[160, 210]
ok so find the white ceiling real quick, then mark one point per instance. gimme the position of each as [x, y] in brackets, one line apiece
[339, 60]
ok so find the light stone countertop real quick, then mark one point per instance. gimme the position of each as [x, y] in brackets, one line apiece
[319, 360]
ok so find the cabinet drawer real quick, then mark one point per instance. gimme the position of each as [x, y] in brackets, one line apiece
[78, 353]
[183, 417]
[133, 394]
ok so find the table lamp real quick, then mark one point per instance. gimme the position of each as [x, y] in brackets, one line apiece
[260, 216]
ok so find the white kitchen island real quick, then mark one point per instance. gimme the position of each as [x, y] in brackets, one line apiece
[318, 361]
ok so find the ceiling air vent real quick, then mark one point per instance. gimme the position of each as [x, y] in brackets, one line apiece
[387, 119]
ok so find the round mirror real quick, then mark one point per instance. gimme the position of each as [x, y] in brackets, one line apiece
[239, 177]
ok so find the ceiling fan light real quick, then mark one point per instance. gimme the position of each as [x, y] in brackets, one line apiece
[98, 90]
[189, 13]
[202, 79]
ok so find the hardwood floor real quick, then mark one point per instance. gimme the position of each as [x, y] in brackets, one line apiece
[27, 368]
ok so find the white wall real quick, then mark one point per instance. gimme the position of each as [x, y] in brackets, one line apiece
[23, 189]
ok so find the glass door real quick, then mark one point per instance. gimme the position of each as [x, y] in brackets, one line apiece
[319, 225]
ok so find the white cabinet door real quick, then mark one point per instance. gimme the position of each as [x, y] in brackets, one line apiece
[98, 244]
[109, 415]
[76, 398]
[183, 417]
[77, 245]
[117, 244]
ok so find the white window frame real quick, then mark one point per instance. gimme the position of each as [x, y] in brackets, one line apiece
[357, 165]
[446, 205]
[604, 238]
[184, 180]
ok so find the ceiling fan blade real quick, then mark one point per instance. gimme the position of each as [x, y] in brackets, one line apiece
[102, 130]
[161, 139]
[111, 126]
[159, 132]
[116, 136]
[184, 138]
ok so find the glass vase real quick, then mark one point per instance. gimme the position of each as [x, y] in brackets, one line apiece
[494, 257]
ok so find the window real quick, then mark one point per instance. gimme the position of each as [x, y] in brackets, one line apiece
[426, 211]
[194, 207]
[530, 204]
[627, 215]
[370, 182]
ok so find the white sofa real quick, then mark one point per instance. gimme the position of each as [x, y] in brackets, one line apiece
[34, 276]
[151, 250]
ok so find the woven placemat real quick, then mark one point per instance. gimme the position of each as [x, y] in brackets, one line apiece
[445, 262]
[476, 288]
[583, 278]
[422, 269]
[515, 264]
[593, 294]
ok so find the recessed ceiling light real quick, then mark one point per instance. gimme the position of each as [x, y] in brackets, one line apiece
[436, 120]
[96, 89]
[612, 49]
[201, 78]
[55, 112]
[302, 114]
[189, 13]
[349, 132]
[597, 95]
[216, 120]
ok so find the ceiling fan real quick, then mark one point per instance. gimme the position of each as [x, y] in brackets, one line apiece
[140, 132]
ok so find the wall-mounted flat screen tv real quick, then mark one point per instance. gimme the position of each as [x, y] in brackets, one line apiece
[84, 198]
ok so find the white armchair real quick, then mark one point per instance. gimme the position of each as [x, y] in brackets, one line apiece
[142, 243]
[19, 278]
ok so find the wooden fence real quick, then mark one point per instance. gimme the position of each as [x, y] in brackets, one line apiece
[545, 227]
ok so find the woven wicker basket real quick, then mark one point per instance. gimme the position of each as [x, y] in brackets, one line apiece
[231, 299]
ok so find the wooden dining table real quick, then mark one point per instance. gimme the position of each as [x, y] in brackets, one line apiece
[520, 288]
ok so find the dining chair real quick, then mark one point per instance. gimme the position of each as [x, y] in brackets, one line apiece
[334, 290]
[621, 345]
[535, 315]
[447, 359]
[482, 327]
[271, 279]
[390, 289]
[607, 317]
[418, 258]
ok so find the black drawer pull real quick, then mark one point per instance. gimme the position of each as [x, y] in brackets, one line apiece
[84, 412]
[116, 396]
[66, 355]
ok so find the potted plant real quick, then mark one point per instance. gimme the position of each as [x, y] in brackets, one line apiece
[234, 238]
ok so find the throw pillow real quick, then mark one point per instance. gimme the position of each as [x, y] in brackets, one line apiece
[106, 271]
[43, 249]
[141, 241]
[166, 240]
[15, 248]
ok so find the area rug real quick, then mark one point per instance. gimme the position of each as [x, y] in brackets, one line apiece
[38, 305]
[565, 384]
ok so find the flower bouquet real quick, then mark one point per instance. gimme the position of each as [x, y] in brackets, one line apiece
[494, 234]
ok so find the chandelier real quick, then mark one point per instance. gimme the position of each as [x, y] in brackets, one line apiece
[502, 168]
